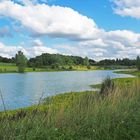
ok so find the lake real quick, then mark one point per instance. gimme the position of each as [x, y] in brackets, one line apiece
[22, 90]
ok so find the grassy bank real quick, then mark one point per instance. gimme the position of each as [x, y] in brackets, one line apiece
[73, 116]
[134, 72]
[11, 68]
[120, 81]
[124, 81]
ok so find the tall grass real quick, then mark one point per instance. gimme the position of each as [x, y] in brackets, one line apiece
[107, 86]
[84, 116]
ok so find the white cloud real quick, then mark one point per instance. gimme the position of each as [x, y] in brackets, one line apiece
[38, 48]
[54, 21]
[97, 42]
[127, 8]
[125, 37]
[113, 44]
[37, 42]
[10, 51]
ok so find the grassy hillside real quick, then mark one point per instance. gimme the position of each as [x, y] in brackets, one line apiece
[73, 116]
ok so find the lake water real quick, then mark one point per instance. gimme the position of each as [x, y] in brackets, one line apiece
[22, 90]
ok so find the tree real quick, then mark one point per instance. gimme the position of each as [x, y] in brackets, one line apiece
[21, 61]
[86, 61]
[138, 63]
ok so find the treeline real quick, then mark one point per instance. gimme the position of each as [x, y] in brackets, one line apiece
[56, 60]
[121, 62]
[7, 60]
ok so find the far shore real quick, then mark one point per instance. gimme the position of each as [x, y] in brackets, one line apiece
[8, 68]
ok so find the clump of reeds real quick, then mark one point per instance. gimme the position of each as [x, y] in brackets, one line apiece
[107, 86]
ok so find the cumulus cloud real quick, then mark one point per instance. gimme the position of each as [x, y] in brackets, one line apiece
[127, 8]
[53, 21]
[38, 48]
[9, 51]
[37, 42]
[112, 44]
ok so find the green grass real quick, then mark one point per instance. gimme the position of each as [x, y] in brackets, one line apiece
[8, 68]
[12, 68]
[132, 72]
[78, 116]
[121, 81]
[84, 68]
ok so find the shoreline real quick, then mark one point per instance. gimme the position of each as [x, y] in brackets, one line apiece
[5, 69]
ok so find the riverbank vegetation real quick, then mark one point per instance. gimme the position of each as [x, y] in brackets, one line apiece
[58, 62]
[124, 81]
[87, 115]
[12, 68]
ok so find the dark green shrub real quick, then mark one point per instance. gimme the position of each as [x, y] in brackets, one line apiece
[55, 66]
[34, 69]
[63, 68]
[88, 67]
[70, 67]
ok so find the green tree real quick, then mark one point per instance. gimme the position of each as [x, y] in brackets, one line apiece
[86, 61]
[138, 63]
[21, 61]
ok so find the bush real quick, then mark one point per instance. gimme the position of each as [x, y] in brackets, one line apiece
[107, 86]
[55, 66]
[88, 67]
[70, 67]
[34, 69]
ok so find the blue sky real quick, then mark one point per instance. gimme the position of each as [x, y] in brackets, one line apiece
[102, 12]
[98, 29]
